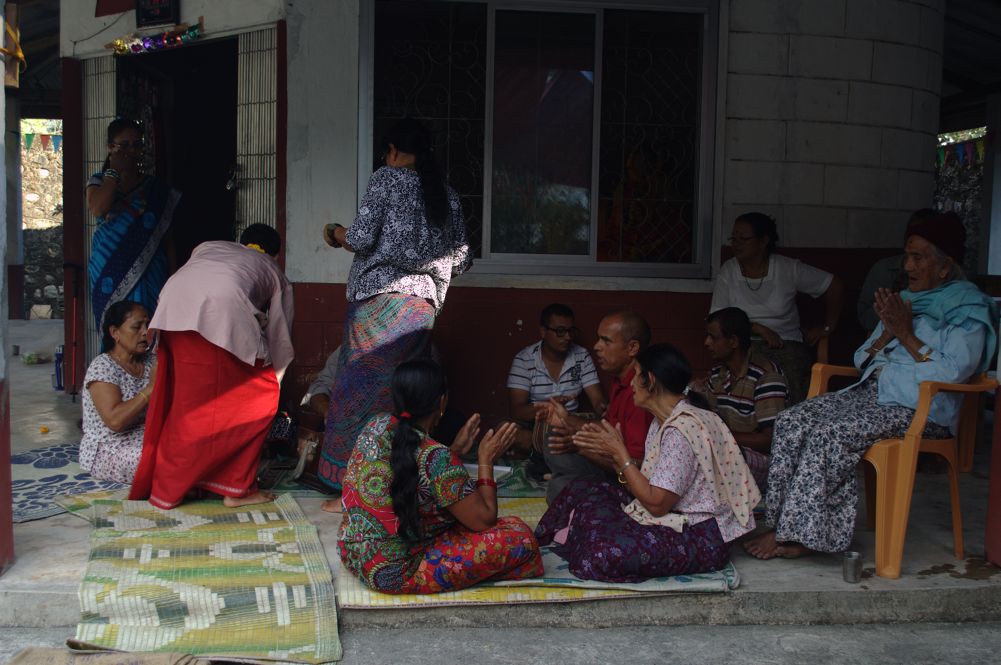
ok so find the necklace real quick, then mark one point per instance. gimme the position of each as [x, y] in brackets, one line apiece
[130, 366]
[761, 280]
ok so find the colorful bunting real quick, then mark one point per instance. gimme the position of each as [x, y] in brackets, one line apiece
[56, 140]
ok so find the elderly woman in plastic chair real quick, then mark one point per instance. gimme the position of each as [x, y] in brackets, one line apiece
[940, 329]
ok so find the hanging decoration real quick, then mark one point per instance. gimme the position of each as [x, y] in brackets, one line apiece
[56, 140]
[959, 181]
[135, 44]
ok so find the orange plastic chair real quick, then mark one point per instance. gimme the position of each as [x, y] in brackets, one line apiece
[894, 463]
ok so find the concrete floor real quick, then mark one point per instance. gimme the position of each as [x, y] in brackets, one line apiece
[904, 644]
[40, 589]
[33, 402]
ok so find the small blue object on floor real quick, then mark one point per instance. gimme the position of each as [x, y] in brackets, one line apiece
[38, 476]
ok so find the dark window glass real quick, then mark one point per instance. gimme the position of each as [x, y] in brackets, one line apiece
[542, 128]
[430, 64]
[651, 74]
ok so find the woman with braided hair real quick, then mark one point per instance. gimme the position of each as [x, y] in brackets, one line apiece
[414, 521]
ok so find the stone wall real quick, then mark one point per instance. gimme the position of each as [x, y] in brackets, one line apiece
[832, 111]
[42, 227]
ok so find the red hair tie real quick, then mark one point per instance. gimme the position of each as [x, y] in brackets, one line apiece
[404, 414]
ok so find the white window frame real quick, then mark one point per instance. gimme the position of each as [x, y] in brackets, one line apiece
[705, 204]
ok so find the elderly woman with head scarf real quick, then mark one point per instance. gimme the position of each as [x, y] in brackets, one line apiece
[941, 328]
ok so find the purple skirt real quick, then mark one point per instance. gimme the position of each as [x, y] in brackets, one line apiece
[606, 544]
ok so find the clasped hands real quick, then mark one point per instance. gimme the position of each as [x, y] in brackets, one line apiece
[896, 315]
[597, 441]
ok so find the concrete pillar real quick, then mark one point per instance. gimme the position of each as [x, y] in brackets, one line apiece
[6, 510]
[992, 190]
[14, 254]
[832, 111]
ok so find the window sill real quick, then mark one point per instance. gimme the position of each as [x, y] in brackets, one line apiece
[478, 278]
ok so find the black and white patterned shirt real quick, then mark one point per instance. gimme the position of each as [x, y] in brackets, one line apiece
[396, 248]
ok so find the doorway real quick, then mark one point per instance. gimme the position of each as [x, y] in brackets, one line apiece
[186, 99]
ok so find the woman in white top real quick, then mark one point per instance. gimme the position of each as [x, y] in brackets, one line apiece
[118, 385]
[764, 285]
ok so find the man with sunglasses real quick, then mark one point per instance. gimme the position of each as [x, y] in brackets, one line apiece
[552, 367]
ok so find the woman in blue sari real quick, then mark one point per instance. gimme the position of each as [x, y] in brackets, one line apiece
[128, 258]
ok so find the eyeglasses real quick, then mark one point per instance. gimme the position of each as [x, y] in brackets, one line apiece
[736, 239]
[126, 145]
[563, 331]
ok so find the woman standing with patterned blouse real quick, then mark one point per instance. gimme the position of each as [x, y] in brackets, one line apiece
[409, 240]
[414, 522]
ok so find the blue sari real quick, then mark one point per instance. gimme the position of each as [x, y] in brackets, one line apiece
[127, 261]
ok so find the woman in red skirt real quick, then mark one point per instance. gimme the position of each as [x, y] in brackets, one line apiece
[224, 325]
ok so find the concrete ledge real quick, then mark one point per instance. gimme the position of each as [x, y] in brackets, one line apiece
[36, 609]
[737, 608]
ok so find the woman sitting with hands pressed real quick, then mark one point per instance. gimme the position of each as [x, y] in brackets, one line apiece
[677, 513]
[414, 522]
[118, 385]
[941, 328]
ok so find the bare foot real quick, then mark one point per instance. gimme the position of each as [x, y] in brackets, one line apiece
[259, 496]
[766, 546]
[332, 506]
[762, 546]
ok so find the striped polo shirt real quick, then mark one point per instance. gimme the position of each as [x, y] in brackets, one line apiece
[750, 402]
[529, 373]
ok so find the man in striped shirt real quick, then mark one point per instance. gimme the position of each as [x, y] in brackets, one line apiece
[552, 367]
[746, 389]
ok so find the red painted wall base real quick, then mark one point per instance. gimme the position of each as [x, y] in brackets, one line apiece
[480, 329]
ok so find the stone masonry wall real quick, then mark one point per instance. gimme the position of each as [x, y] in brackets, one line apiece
[42, 226]
[832, 107]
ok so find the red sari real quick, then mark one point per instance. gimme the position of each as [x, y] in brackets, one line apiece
[208, 416]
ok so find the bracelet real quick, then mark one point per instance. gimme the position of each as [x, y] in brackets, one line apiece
[925, 354]
[112, 173]
[144, 395]
[489, 482]
[622, 478]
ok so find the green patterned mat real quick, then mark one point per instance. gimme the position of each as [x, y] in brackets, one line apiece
[518, 484]
[250, 583]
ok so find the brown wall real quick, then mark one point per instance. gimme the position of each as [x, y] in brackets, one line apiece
[478, 331]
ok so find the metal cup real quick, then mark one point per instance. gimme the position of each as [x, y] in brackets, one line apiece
[851, 567]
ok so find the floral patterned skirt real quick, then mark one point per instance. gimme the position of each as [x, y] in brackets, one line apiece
[816, 446]
[603, 543]
[455, 559]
